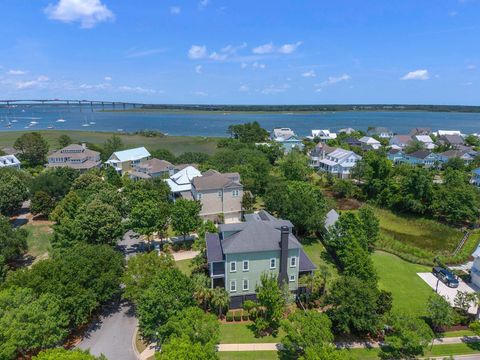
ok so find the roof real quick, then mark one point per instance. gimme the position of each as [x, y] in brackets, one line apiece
[331, 218]
[282, 132]
[369, 140]
[8, 160]
[212, 180]
[140, 175]
[453, 139]
[424, 138]
[182, 180]
[131, 154]
[305, 264]
[394, 151]
[476, 171]
[320, 148]
[324, 134]
[420, 154]
[74, 151]
[214, 247]
[85, 165]
[420, 131]
[155, 165]
[379, 129]
[456, 153]
[476, 253]
[401, 138]
[342, 154]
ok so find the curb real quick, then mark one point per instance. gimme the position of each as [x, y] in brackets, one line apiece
[134, 343]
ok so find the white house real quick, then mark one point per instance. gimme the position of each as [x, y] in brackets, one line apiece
[447, 132]
[370, 141]
[426, 140]
[381, 132]
[125, 160]
[282, 133]
[9, 161]
[323, 135]
[339, 162]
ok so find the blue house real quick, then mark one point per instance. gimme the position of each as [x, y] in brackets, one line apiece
[396, 155]
[287, 138]
[475, 180]
[422, 157]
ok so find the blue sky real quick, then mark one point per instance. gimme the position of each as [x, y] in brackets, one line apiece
[242, 52]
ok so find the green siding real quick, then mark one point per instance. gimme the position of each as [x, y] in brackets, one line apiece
[259, 262]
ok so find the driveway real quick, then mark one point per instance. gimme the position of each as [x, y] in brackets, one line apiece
[447, 292]
[112, 334]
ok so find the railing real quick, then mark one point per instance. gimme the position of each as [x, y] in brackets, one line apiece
[460, 245]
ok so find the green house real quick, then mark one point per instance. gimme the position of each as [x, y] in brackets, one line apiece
[240, 253]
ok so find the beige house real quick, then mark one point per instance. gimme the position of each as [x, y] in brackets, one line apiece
[75, 156]
[125, 160]
[152, 168]
[220, 195]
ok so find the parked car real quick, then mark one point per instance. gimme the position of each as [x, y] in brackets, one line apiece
[446, 276]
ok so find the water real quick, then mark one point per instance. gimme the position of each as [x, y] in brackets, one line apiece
[216, 124]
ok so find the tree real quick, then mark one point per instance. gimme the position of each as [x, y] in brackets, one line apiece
[201, 289]
[220, 300]
[272, 301]
[13, 192]
[185, 216]
[163, 154]
[33, 148]
[464, 300]
[85, 180]
[325, 352]
[407, 336]
[250, 132]
[294, 166]
[169, 292]
[13, 242]
[192, 322]
[149, 217]
[303, 330]
[472, 140]
[113, 177]
[64, 140]
[41, 203]
[439, 312]
[114, 143]
[192, 158]
[63, 354]
[248, 202]
[370, 226]
[345, 189]
[55, 182]
[413, 146]
[183, 348]
[141, 271]
[28, 322]
[354, 306]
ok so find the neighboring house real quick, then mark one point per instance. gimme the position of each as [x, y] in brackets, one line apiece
[126, 160]
[420, 131]
[475, 271]
[422, 157]
[152, 168]
[75, 156]
[319, 152]
[447, 132]
[220, 195]
[475, 180]
[323, 135]
[400, 141]
[381, 132]
[452, 140]
[9, 161]
[240, 253]
[331, 219]
[282, 133]
[426, 140]
[351, 141]
[370, 142]
[10, 150]
[339, 162]
[447, 155]
[396, 155]
[289, 143]
[347, 131]
[180, 183]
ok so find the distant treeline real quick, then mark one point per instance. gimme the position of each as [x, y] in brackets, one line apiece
[315, 108]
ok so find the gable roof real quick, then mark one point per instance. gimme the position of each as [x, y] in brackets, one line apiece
[401, 138]
[369, 140]
[212, 180]
[182, 180]
[420, 154]
[155, 165]
[8, 160]
[331, 218]
[424, 138]
[283, 132]
[453, 139]
[131, 154]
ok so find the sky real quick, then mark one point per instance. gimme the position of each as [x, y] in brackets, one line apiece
[242, 52]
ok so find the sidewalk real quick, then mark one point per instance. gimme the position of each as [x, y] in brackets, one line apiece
[185, 255]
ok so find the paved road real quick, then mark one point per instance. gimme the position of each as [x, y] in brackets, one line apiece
[112, 334]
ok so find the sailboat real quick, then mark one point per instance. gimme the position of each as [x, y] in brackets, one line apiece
[86, 123]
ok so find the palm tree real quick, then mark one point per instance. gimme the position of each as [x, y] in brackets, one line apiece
[220, 299]
[201, 289]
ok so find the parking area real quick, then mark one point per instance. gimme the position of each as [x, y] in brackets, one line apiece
[448, 292]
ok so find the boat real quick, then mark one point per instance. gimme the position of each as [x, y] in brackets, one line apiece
[61, 120]
[50, 127]
[92, 122]
[86, 123]
[33, 122]
[14, 121]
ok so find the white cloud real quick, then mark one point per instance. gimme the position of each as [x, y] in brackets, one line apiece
[175, 10]
[197, 52]
[16, 72]
[137, 90]
[309, 74]
[102, 86]
[87, 12]
[142, 53]
[198, 69]
[289, 48]
[257, 65]
[218, 56]
[243, 88]
[107, 78]
[271, 48]
[200, 93]
[420, 74]
[273, 89]
[264, 49]
[37, 83]
[331, 81]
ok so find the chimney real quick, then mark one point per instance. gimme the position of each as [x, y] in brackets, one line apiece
[283, 275]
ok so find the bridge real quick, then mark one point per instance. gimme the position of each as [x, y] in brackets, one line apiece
[98, 104]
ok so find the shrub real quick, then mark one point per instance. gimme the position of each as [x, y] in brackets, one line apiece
[238, 315]
[229, 316]
[245, 316]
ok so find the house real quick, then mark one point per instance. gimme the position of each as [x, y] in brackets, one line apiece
[452, 140]
[152, 168]
[351, 141]
[323, 135]
[220, 195]
[180, 183]
[475, 271]
[422, 157]
[426, 140]
[420, 131]
[126, 160]
[9, 161]
[464, 155]
[475, 180]
[381, 132]
[339, 162]
[240, 253]
[331, 219]
[75, 156]
[447, 132]
[319, 152]
[347, 131]
[370, 142]
[282, 133]
[400, 141]
[396, 155]
[287, 139]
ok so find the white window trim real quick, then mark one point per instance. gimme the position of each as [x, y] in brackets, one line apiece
[275, 263]
[235, 193]
[248, 285]
[291, 278]
[235, 265]
[234, 283]
[243, 265]
[219, 193]
[199, 196]
[294, 259]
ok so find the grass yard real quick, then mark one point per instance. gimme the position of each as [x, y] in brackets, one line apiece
[184, 266]
[241, 334]
[38, 240]
[317, 253]
[176, 144]
[248, 355]
[422, 233]
[437, 350]
[409, 291]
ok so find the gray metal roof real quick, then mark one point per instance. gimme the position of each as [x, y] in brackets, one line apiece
[214, 247]
[305, 264]
[331, 218]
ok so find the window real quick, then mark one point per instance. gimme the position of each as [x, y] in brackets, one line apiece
[235, 193]
[199, 196]
[245, 285]
[233, 266]
[273, 264]
[292, 278]
[233, 286]
[246, 265]
[219, 193]
[293, 261]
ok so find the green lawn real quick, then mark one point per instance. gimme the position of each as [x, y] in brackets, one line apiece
[409, 291]
[242, 334]
[437, 350]
[176, 144]
[184, 266]
[422, 233]
[248, 355]
[38, 240]
[317, 253]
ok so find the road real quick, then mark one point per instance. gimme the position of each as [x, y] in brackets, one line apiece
[112, 334]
